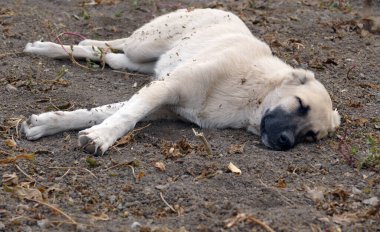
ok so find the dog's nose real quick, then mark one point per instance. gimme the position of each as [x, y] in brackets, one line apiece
[286, 140]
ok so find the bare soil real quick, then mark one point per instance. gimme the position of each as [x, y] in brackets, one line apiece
[331, 185]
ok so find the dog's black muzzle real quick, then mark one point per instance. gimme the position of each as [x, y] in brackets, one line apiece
[278, 129]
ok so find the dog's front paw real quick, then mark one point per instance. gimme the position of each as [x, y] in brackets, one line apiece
[96, 140]
[37, 126]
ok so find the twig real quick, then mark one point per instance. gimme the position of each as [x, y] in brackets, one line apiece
[117, 165]
[31, 178]
[204, 141]
[167, 204]
[55, 209]
[133, 171]
[67, 172]
[349, 70]
[243, 217]
[343, 148]
[85, 169]
[9, 53]
[70, 54]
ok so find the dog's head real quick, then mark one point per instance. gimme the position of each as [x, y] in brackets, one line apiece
[298, 109]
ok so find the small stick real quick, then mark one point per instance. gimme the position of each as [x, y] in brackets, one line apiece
[9, 53]
[67, 172]
[204, 141]
[117, 165]
[167, 204]
[242, 217]
[133, 171]
[85, 169]
[55, 209]
[349, 70]
[31, 178]
[260, 223]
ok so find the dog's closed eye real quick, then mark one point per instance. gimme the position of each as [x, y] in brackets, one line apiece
[302, 109]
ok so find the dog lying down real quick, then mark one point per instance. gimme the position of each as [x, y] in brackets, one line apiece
[208, 69]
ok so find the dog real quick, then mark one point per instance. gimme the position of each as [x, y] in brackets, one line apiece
[208, 69]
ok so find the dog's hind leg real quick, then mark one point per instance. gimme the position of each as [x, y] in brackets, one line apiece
[37, 126]
[117, 44]
[114, 60]
[99, 138]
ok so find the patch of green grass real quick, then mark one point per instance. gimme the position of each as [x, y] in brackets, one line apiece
[372, 160]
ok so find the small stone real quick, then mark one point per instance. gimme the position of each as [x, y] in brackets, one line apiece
[162, 186]
[2, 226]
[112, 199]
[120, 206]
[135, 225]
[11, 88]
[356, 191]
[371, 201]
[43, 223]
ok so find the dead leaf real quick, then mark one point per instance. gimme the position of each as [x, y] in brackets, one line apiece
[9, 160]
[315, 194]
[11, 143]
[281, 183]
[100, 217]
[160, 166]
[345, 218]
[341, 193]
[125, 139]
[140, 176]
[234, 169]
[28, 193]
[236, 149]
[10, 179]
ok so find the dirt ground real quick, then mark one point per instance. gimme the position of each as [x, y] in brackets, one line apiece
[161, 179]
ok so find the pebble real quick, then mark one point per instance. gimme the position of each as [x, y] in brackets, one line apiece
[371, 201]
[11, 88]
[162, 186]
[356, 190]
[43, 223]
[112, 199]
[2, 226]
[135, 225]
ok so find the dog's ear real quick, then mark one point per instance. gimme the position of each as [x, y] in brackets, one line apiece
[299, 77]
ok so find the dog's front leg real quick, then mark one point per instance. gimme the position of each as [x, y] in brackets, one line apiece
[37, 126]
[99, 138]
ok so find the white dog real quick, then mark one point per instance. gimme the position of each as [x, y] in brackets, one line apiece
[208, 69]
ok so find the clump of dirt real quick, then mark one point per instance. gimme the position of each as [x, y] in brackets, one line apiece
[161, 178]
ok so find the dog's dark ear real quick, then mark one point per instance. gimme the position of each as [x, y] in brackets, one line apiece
[299, 77]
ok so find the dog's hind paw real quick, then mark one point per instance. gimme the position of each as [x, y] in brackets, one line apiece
[95, 140]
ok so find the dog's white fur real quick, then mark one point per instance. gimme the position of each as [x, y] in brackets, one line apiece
[209, 69]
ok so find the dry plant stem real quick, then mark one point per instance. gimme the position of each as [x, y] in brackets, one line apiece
[167, 204]
[204, 141]
[243, 217]
[343, 148]
[70, 53]
[129, 73]
[133, 171]
[25, 174]
[9, 53]
[55, 209]
[67, 172]
[117, 165]
[85, 169]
